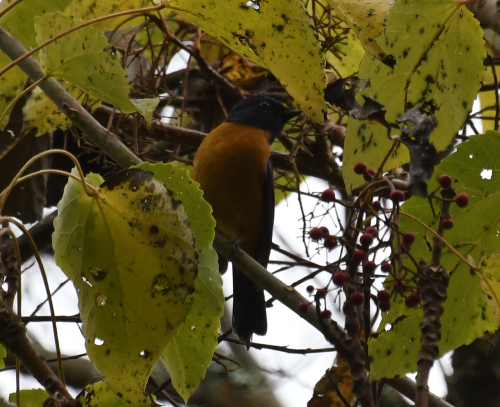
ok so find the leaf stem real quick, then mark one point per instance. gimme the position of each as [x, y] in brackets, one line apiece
[47, 289]
[91, 191]
[9, 7]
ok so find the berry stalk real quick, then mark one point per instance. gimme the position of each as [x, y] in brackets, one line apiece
[433, 286]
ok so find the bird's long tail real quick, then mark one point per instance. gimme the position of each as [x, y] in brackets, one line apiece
[249, 308]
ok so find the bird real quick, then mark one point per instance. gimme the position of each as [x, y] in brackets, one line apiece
[234, 169]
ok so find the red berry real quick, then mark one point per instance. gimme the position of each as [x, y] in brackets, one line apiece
[330, 242]
[372, 230]
[303, 307]
[325, 231]
[384, 296]
[384, 306]
[369, 267]
[310, 289]
[369, 174]
[316, 234]
[325, 314]
[321, 293]
[445, 181]
[408, 238]
[406, 246]
[328, 195]
[359, 168]
[376, 205]
[339, 278]
[447, 224]
[462, 200]
[387, 267]
[357, 298]
[397, 196]
[366, 239]
[358, 256]
[413, 300]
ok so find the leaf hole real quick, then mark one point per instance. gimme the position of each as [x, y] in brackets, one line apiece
[87, 281]
[486, 174]
[100, 300]
[253, 4]
[98, 341]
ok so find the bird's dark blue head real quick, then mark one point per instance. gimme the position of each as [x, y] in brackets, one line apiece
[262, 112]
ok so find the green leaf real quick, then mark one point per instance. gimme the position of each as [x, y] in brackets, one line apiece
[189, 353]
[467, 314]
[30, 398]
[438, 51]
[366, 18]
[85, 59]
[146, 107]
[99, 394]
[19, 23]
[131, 255]
[278, 36]
[3, 355]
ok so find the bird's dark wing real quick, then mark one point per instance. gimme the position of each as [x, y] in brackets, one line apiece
[265, 243]
[249, 307]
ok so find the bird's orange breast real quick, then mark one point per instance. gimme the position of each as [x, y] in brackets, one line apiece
[230, 166]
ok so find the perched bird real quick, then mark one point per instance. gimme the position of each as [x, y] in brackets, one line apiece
[235, 172]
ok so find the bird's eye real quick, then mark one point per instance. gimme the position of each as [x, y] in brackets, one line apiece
[264, 104]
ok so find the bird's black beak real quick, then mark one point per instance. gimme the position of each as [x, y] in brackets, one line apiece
[289, 114]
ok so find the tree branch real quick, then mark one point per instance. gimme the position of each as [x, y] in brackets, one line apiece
[13, 337]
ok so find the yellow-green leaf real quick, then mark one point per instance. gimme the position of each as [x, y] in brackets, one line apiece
[84, 59]
[146, 107]
[42, 114]
[189, 353]
[278, 36]
[366, 18]
[131, 255]
[437, 52]
[3, 354]
[99, 394]
[19, 23]
[30, 398]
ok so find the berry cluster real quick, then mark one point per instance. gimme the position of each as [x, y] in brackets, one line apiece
[362, 252]
[322, 233]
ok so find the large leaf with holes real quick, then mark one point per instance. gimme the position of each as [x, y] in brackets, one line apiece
[85, 59]
[131, 255]
[190, 352]
[278, 36]
[436, 51]
[468, 312]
